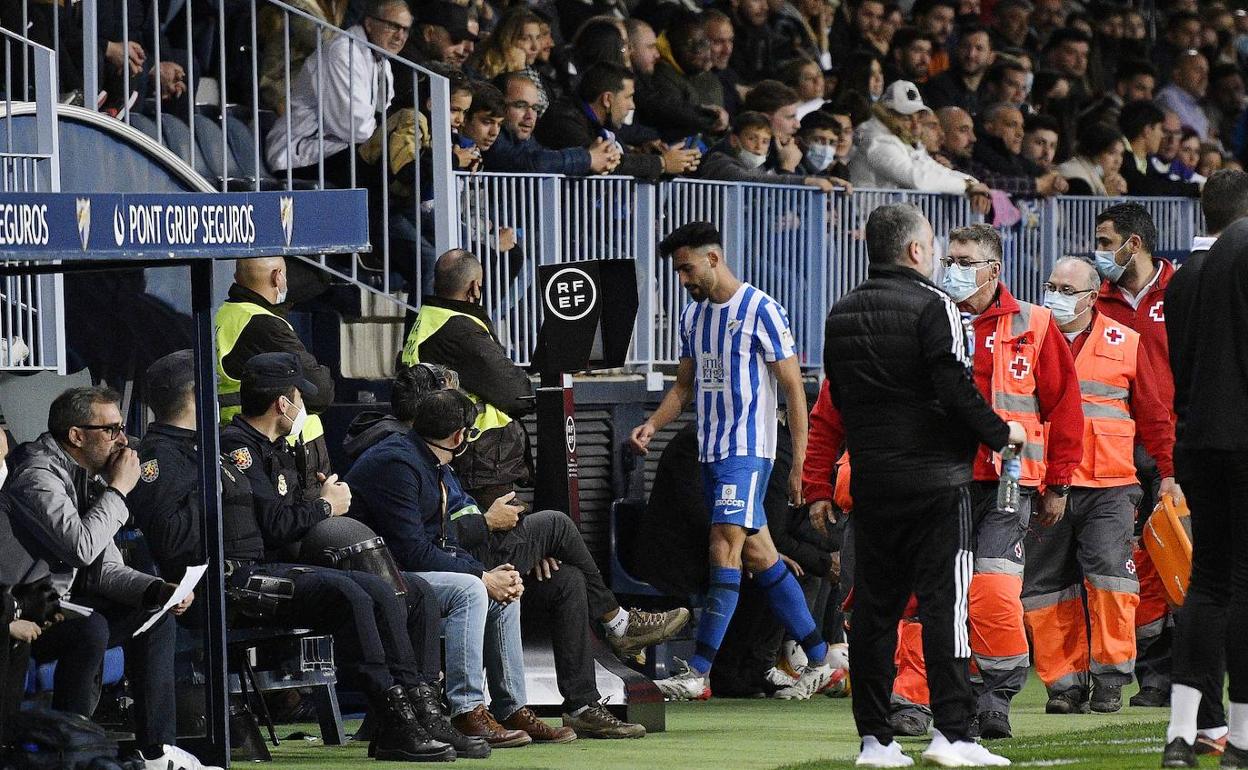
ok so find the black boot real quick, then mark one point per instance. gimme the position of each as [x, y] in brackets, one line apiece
[426, 698]
[399, 736]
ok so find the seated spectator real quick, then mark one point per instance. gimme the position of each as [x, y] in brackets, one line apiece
[999, 150]
[683, 98]
[1183, 32]
[742, 157]
[845, 147]
[820, 139]
[1066, 52]
[804, 77]
[935, 19]
[1135, 81]
[410, 489]
[1188, 83]
[513, 46]
[1011, 25]
[1141, 125]
[483, 121]
[931, 134]
[759, 42]
[888, 155]
[910, 57]
[464, 155]
[603, 102]
[1211, 160]
[1227, 97]
[1048, 17]
[864, 74]
[342, 92]
[963, 84]
[1179, 154]
[1006, 83]
[722, 37]
[442, 35]
[957, 131]
[66, 500]
[1040, 140]
[273, 53]
[779, 103]
[1094, 169]
[856, 32]
[515, 149]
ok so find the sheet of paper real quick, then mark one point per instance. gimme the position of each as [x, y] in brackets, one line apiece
[77, 609]
[189, 581]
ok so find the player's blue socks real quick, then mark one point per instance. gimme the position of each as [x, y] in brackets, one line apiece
[721, 602]
[789, 604]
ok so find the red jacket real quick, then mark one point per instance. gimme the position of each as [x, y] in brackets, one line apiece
[1154, 426]
[1149, 320]
[823, 446]
[1057, 389]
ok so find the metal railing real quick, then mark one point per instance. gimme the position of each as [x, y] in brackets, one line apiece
[32, 329]
[804, 247]
[211, 81]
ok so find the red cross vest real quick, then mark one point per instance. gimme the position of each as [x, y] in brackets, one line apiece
[1015, 348]
[1106, 367]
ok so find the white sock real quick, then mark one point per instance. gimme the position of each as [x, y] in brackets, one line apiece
[1237, 721]
[618, 625]
[1213, 733]
[1184, 702]
[871, 743]
[580, 711]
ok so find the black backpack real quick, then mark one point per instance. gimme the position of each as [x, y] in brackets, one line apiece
[44, 738]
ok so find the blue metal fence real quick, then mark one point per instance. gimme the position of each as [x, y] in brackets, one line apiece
[804, 247]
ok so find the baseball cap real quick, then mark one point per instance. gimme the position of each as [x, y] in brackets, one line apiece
[276, 370]
[174, 372]
[902, 96]
[450, 16]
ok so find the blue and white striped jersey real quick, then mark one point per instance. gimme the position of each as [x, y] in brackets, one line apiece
[731, 345]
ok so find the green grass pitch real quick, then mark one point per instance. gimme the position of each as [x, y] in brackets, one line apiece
[811, 735]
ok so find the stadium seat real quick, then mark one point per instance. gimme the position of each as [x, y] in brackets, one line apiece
[39, 677]
[624, 515]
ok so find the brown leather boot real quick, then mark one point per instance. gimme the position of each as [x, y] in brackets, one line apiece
[539, 731]
[478, 722]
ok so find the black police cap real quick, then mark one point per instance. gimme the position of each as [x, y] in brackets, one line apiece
[276, 370]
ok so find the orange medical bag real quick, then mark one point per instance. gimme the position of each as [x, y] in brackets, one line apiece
[1168, 540]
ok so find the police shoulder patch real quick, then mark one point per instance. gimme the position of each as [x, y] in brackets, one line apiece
[150, 470]
[241, 458]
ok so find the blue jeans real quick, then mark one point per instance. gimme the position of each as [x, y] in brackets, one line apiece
[482, 638]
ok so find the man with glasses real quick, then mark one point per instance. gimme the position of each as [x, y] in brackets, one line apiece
[66, 500]
[515, 149]
[336, 100]
[1089, 644]
[443, 35]
[1023, 368]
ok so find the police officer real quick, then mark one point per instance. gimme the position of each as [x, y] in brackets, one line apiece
[453, 330]
[252, 321]
[262, 510]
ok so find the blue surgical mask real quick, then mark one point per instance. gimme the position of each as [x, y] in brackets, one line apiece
[1063, 306]
[959, 282]
[1107, 264]
[820, 155]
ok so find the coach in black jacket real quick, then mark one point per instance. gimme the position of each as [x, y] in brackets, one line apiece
[898, 369]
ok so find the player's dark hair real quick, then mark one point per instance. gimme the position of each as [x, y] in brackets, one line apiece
[1131, 68]
[412, 385]
[1224, 199]
[441, 414]
[1137, 116]
[693, 235]
[603, 77]
[1131, 219]
[488, 99]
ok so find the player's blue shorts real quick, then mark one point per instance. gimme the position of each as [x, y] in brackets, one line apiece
[734, 489]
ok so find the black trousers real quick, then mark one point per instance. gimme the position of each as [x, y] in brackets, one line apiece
[78, 646]
[570, 599]
[371, 627]
[919, 545]
[1211, 628]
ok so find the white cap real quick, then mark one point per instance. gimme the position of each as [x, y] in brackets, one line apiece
[902, 97]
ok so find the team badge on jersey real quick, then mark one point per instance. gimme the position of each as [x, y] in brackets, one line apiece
[241, 458]
[281, 485]
[149, 471]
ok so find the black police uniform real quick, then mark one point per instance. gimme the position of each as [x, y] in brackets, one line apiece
[359, 609]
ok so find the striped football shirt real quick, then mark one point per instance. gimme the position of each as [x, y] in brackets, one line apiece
[731, 344]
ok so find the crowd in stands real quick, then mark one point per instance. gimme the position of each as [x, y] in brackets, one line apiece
[965, 96]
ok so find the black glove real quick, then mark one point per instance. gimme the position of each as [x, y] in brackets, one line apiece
[37, 602]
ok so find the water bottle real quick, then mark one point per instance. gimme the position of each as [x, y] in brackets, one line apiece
[1008, 490]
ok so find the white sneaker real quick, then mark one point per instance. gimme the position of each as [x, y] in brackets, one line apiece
[685, 684]
[875, 754]
[812, 680]
[175, 758]
[777, 678]
[943, 753]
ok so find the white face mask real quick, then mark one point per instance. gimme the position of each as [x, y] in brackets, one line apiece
[1029, 80]
[281, 293]
[821, 155]
[751, 159]
[628, 119]
[298, 421]
[1063, 306]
